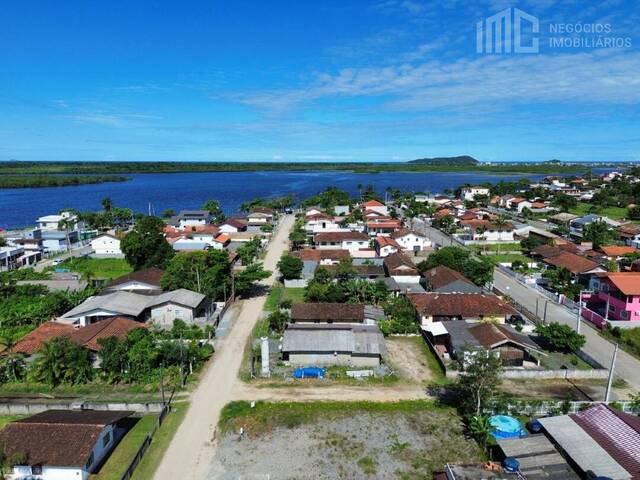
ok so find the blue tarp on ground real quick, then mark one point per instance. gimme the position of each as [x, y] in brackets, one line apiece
[309, 372]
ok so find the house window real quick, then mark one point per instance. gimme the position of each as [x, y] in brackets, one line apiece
[624, 314]
[612, 308]
[36, 470]
[89, 462]
[106, 439]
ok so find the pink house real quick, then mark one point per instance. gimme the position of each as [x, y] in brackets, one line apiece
[616, 296]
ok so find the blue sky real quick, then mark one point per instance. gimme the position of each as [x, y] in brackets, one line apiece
[385, 80]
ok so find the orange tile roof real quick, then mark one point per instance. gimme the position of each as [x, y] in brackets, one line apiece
[627, 282]
[572, 262]
[387, 241]
[373, 203]
[112, 327]
[33, 341]
[223, 238]
[617, 250]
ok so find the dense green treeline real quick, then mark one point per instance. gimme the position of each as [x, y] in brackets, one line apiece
[42, 179]
[16, 167]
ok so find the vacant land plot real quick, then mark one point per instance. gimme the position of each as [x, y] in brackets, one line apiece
[615, 213]
[334, 440]
[280, 294]
[106, 268]
[412, 360]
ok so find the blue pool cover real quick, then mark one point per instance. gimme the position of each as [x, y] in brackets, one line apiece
[505, 426]
[309, 372]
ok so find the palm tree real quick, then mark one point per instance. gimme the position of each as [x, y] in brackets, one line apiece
[13, 363]
[480, 428]
[107, 204]
[66, 225]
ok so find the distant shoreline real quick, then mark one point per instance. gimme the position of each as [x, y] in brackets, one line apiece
[36, 180]
[76, 168]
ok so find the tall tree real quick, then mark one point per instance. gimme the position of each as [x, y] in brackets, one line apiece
[480, 380]
[107, 204]
[145, 246]
[246, 279]
[290, 267]
[207, 272]
[598, 233]
[62, 361]
[213, 207]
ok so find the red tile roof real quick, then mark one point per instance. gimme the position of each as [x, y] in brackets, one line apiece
[32, 341]
[627, 282]
[572, 262]
[384, 224]
[399, 264]
[465, 305]
[320, 254]
[372, 203]
[112, 327]
[339, 236]
[337, 312]
[442, 275]
[151, 276]
[387, 242]
[617, 250]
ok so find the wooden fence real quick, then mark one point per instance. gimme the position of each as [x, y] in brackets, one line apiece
[145, 444]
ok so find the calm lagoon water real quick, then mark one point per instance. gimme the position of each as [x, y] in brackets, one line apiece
[22, 206]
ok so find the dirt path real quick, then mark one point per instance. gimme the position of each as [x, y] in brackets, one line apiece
[192, 449]
[242, 391]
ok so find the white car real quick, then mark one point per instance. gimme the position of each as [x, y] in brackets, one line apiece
[57, 261]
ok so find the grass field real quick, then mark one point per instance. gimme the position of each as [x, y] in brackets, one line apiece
[121, 457]
[615, 213]
[94, 391]
[147, 467]
[627, 338]
[279, 294]
[266, 416]
[508, 258]
[107, 268]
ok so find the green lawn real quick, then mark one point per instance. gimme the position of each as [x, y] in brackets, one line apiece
[266, 416]
[107, 268]
[627, 338]
[558, 360]
[494, 247]
[279, 294]
[508, 258]
[93, 391]
[121, 457]
[147, 467]
[615, 213]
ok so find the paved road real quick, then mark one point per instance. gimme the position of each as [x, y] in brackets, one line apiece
[192, 448]
[597, 347]
[77, 252]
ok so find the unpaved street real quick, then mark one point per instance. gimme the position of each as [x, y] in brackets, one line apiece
[191, 450]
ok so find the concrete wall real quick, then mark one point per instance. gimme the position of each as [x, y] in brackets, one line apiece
[164, 315]
[33, 408]
[325, 359]
[546, 374]
[297, 283]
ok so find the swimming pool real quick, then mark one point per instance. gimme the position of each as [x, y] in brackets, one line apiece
[505, 426]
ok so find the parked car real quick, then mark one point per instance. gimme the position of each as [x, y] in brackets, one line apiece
[516, 319]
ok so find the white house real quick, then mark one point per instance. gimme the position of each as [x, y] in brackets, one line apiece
[376, 206]
[352, 241]
[386, 246]
[182, 304]
[62, 444]
[470, 193]
[312, 211]
[232, 225]
[106, 245]
[100, 307]
[51, 222]
[411, 240]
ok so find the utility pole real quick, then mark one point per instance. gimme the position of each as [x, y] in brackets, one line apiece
[579, 311]
[537, 302]
[606, 313]
[544, 320]
[610, 382]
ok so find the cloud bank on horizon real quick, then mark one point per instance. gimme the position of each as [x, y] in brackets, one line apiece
[383, 80]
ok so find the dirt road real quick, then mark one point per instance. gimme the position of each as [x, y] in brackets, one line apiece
[191, 450]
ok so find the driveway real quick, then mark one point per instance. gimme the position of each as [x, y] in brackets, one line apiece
[192, 448]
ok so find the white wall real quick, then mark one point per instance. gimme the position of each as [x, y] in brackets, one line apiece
[412, 240]
[106, 245]
[164, 315]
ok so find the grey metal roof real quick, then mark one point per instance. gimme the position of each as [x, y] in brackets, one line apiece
[539, 459]
[360, 339]
[391, 284]
[582, 449]
[182, 296]
[124, 303]
[373, 312]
